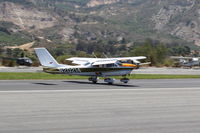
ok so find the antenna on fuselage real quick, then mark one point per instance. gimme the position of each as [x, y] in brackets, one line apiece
[105, 55]
[94, 55]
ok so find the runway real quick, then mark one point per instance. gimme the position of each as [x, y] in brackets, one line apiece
[77, 106]
[31, 85]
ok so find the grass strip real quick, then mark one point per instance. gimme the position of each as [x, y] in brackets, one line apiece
[28, 75]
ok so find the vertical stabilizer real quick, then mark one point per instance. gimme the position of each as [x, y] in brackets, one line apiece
[45, 58]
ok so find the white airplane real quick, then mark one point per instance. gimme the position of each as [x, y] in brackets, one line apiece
[93, 67]
[187, 61]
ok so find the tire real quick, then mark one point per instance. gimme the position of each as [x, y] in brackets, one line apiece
[94, 82]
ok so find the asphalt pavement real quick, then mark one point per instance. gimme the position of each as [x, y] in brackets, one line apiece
[77, 106]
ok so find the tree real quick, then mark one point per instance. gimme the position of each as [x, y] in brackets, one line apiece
[156, 53]
[17, 52]
[180, 50]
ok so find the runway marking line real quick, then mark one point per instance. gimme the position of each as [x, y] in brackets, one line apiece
[99, 90]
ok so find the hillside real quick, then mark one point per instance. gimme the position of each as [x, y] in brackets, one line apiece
[111, 22]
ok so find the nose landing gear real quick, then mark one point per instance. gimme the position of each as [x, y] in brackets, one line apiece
[124, 80]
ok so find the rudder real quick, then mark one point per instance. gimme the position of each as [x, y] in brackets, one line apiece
[45, 58]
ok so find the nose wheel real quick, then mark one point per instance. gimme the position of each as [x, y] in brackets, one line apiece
[124, 80]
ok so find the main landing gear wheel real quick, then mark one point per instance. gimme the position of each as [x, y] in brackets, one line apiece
[124, 80]
[93, 79]
[110, 81]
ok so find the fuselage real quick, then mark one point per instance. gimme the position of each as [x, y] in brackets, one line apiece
[99, 71]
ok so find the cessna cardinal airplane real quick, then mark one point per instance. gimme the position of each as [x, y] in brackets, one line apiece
[93, 67]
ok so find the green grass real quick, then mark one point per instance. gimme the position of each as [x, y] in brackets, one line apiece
[18, 76]
[23, 75]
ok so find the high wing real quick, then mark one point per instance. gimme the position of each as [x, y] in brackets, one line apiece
[181, 57]
[134, 59]
[130, 58]
[81, 61]
[93, 61]
[101, 61]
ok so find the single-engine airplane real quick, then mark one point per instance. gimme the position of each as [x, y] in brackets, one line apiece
[93, 67]
[187, 61]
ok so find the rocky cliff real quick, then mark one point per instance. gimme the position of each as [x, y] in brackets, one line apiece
[26, 18]
[90, 20]
[180, 19]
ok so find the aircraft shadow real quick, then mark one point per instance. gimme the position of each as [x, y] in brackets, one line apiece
[44, 84]
[105, 84]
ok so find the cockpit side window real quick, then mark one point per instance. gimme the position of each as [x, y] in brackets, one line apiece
[119, 63]
[87, 63]
[127, 61]
[109, 65]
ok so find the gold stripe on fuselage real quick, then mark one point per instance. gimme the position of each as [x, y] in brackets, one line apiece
[91, 69]
[128, 65]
